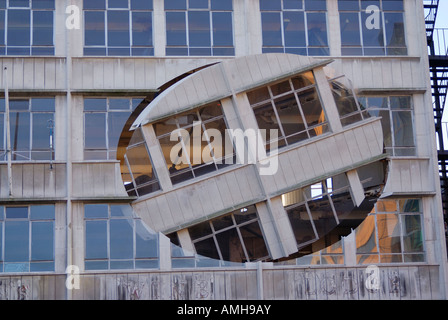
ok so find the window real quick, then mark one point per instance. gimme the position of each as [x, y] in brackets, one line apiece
[195, 142]
[393, 233]
[27, 238]
[295, 26]
[199, 28]
[292, 107]
[104, 120]
[31, 126]
[118, 28]
[397, 122]
[116, 239]
[372, 27]
[235, 237]
[26, 27]
[349, 108]
[138, 175]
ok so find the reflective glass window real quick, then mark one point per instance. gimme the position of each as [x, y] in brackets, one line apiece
[31, 128]
[199, 28]
[104, 121]
[294, 26]
[372, 32]
[113, 28]
[116, 239]
[28, 238]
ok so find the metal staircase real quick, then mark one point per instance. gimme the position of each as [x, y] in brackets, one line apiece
[437, 40]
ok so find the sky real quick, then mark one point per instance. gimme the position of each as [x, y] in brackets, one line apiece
[442, 14]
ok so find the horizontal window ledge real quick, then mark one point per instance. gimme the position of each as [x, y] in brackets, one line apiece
[24, 201]
[103, 199]
[114, 92]
[32, 92]
[390, 91]
[408, 194]
[383, 57]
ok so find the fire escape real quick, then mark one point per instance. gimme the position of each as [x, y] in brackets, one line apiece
[437, 40]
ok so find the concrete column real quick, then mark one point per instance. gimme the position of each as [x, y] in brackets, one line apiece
[158, 160]
[159, 28]
[329, 105]
[333, 27]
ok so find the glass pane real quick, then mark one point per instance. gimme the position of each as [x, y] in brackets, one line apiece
[43, 4]
[200, 230]
[96, 265]
[207, 248]
[116, 123]
[19, 3]
[271, 29]
[95, 131]
[388, 233]
[42, 243]
[366, 236]
[317, 29]
[95, 211]
[118, 3]
[42, 28]
[258, 95]
[412, 233]
[409, 205]
[121, 239]
[403, 129]
[198, 4]
[42, 104]
[292, 4]
[222, 222]
[43, 212]
[140, 164]
[94, 33]
[254, 241]
[350, 32]
[289, 114]
[294, 29]
[372, 37]
[395, 35]
[124, 264]
[230, 246]
[94, 4]
[41, 130]
[18, 27]
[270, 5]
[311, 107]
[141, 5]
[146, 243]
[96, 240]
[2, 27]
[345, 101]
[118, 28]
[95, 104]
[348, 5]
[301, 224]
[41, 266]
[221, 4]
[175, 157]
[176, 33]
[220, 142]
[142, 28]
[19, 105]
[385, 124]
[386, 206]
[323, 215]
[400, 102]
[16, 241]
[303, 80]
[280, 88]
[199, 29]
[222, 29]
[393, 5]
[16, 212]
[315, 5]
[175, 4]
[267, 119]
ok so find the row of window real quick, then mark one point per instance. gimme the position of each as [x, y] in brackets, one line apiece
[116, 239]
[205, 27]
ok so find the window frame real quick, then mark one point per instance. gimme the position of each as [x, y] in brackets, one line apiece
[187, 49]
[361, 48]
[30, 262]
[108, 50]
[154, 261]
[31, 49]
[307, 50]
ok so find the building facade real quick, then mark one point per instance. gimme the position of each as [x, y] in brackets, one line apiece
[218, 149]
